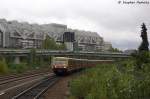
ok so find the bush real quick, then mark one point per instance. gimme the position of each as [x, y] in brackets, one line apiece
[3, 67]
[141, 58]
[107, 82]
[19, 68]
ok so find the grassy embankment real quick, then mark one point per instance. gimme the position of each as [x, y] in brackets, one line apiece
[32, 62]
[116, 81]
[8, 68]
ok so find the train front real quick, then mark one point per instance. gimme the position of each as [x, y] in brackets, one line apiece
[59, 65]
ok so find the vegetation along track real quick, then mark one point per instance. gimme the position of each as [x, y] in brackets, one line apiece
[36, 91]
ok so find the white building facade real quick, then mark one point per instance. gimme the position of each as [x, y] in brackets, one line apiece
[15, 34]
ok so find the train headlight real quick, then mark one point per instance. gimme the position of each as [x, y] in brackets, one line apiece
[54, 66]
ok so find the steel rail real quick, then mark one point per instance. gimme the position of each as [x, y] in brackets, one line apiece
[14, 75]
[20, 78]
[21, 85]
[36, 91]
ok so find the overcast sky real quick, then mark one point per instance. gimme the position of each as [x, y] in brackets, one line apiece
[117, 23]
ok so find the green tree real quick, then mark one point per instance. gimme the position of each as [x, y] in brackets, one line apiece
[144, 45]
[49, 43]
[114, 50]
[142, 56]
[62, 46]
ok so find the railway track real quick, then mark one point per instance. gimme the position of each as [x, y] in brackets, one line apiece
[12, 76]
[17, 78]
[36, 91]
[12, 87]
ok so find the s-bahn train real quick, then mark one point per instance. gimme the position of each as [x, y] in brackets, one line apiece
[63, 65]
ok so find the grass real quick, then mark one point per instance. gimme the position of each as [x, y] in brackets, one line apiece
[18, 68]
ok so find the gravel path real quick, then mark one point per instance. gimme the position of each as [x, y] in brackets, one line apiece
[59, 90]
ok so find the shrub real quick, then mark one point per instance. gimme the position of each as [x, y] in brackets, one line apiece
[3, 67]
[19, 68]
[107, 82]
[127, 65]
[142, 58]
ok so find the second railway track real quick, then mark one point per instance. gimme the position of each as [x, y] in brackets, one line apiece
[14, 78]
[36, 91]
[12, 87]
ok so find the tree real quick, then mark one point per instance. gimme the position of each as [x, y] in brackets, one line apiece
[114, 50]
[142, 56]
[49, 43]
[62, 46]
[144, 45]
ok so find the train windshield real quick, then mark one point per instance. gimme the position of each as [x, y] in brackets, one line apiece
[59, 62]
